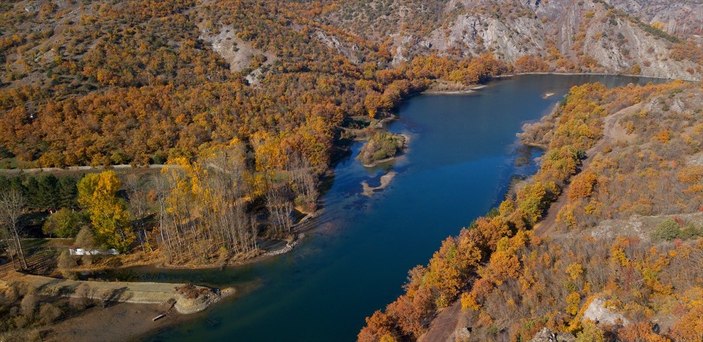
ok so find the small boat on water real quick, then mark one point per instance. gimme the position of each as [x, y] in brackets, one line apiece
[547, 95]
[158, 317]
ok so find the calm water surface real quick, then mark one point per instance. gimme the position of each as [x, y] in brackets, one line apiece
[461, 159]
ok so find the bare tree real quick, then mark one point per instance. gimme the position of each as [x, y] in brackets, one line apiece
[12, 206]
[138, 192]
[203, 209]
[224, 178]
[280, 209]
[303, 180]
[162, 188]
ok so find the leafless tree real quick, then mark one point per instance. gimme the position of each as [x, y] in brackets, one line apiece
[280, 209]
[205, 209]
[162, 188]
[229, 223]
[138, 193]
[303, 180]
[12, 206]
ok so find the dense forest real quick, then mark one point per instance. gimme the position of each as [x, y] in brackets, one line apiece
[104, 86]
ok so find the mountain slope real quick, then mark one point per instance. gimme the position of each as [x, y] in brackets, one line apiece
[572, 36]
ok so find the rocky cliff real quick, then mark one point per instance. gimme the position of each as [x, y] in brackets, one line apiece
[620, 36]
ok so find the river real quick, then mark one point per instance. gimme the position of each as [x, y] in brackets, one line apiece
[461, 159]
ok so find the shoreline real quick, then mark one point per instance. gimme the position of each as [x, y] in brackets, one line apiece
[298, 228]
[557, 73]
[119, 310]
[265, 254]
[385, 181]
[429, 91]
[465, 91]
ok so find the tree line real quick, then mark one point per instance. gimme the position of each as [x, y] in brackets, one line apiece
[205, 211]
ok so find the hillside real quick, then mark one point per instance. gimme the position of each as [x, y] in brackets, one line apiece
[568, 35]
[680, 18]
[139, 82]
[608, 231]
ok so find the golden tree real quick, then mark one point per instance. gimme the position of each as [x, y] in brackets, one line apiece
[108, 214]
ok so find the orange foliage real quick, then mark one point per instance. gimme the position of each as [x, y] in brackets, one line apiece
[582, 185]
[690, 326]
[530, 63]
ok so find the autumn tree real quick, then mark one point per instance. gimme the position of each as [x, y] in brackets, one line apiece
[97, 193]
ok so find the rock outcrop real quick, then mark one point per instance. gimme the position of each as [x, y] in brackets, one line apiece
[598, 312]
[191, 299]
[546, 335]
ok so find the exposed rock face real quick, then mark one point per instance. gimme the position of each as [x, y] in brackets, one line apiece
[472, 35]
[349, 50]
[591, 35]
[234, 50]
[683, 18]
[599, 313]
[238, 53]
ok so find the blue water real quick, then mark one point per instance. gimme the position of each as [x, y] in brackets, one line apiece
[460, 161]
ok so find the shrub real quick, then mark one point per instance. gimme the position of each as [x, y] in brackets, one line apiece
[667, 230]
[29, 304]
[48, 313]
[65, 263]
[691, 231]
[590, 333]
[85, 238]
[64, 223]
[381, 146]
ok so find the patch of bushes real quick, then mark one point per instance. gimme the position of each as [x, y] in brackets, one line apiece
[670, 229]
[65, 223]
[382, 145]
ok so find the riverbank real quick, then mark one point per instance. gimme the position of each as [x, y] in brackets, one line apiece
[584, 74]
[456, 170]
[463, 90]
[119, 310]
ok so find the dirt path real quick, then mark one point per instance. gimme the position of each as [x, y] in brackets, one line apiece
[83, 168]
[612, 132]
[444, 325]
[196, 299]
[124, 292]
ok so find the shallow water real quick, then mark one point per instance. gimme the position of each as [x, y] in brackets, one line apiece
[461, 159]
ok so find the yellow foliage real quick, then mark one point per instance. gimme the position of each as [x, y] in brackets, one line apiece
[468, 302]
[575, 271]
[108, 214]
[573, 303]
[617, 253]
